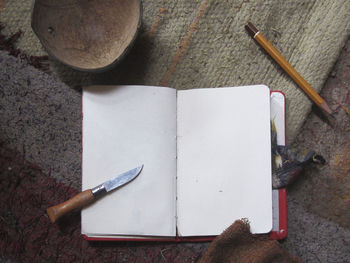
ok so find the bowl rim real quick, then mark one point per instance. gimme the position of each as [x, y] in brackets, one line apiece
[92, 70]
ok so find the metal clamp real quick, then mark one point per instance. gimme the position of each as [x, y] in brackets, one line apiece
[98, 191]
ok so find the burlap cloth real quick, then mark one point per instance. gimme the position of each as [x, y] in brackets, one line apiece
[237, 245]
[199, 44]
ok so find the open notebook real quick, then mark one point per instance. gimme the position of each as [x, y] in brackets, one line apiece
[206, 156]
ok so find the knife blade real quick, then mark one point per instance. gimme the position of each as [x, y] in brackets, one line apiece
[90, 195]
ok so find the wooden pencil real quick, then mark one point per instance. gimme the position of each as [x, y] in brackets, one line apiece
[287, 67]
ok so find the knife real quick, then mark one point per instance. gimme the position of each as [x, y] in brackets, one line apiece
[90, 195]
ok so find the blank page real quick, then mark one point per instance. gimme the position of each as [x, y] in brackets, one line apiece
[124, 127]
[224, 159]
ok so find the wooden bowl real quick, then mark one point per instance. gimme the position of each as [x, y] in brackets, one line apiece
[88, 35]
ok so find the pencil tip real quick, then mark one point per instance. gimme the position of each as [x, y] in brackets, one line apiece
[332, 121]
[326, 108]
[326, 116]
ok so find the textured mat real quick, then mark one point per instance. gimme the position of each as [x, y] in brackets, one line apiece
[41, 117]
[326, 191]
[40, 165]
[196, 44]
[27, 235]
[319, 201]
[40, 121]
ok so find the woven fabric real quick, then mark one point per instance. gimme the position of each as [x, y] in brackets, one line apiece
[41, 117]
[201, 44]
[237, 244]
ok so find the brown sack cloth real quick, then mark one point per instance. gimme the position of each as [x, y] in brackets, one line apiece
[237, 244]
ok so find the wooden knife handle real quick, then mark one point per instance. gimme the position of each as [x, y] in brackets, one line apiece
[75, 203]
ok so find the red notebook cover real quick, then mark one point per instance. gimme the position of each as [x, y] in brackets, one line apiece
[279, 197]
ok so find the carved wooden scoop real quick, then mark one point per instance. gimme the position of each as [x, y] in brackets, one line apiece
[86, 35]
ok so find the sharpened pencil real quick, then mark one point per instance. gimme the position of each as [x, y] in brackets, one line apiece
[288, 68]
